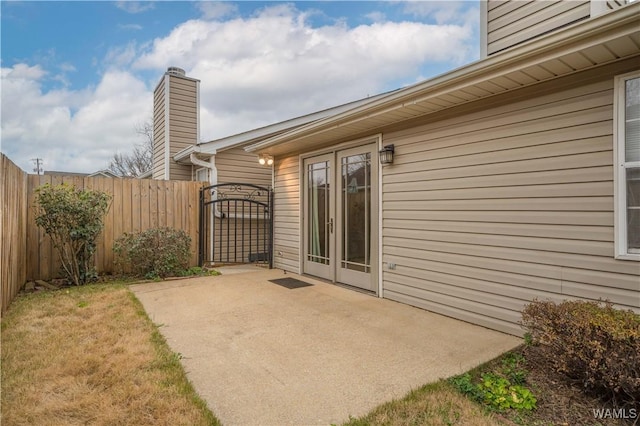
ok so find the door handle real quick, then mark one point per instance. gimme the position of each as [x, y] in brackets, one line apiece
[330, 225]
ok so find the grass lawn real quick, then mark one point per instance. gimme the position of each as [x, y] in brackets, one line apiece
[431, 405]
[90, 355]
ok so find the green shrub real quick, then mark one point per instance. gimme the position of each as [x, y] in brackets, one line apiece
[154, 253]
[73, 218]
[498, 391]
[590, 343]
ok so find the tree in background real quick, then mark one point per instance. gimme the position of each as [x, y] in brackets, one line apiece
[140, 159]
[73, 218]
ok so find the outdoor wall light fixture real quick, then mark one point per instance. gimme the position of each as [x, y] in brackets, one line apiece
[386, 154]
[265, 159]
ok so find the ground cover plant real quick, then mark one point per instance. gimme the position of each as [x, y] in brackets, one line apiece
[500, 389]
[90, 355]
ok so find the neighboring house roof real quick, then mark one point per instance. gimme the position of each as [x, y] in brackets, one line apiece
[145, 175]
[99, 173]
[261, 133]
[59, 173]
[103, 173]
[581, 46]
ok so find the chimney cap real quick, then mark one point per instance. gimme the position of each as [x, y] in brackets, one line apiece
[176, 71]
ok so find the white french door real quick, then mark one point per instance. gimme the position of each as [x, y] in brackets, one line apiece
[318, 213]
[341, 216]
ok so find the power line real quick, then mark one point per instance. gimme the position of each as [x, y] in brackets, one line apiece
[38, 165]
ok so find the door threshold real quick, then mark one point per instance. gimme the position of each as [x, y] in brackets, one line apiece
[343, 285]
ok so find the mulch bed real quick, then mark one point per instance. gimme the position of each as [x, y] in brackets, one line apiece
[559, 401]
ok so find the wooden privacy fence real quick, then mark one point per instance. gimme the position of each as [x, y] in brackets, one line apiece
[26, 252]
[137, 205]
[13, 230]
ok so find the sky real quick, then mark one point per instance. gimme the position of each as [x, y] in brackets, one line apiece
[77, 77]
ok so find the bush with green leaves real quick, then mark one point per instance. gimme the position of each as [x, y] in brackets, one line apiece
[73, 218]
[501, 390]
[154, 253]
[589, 343]
[500, 394]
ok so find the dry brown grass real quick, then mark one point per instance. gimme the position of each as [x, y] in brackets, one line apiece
[90, 355]
[434, 404]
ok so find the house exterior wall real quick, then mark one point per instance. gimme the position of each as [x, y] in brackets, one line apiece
[485, 211]
[512, 22]
[175, 122]
[237, 165]
[493, 204]
[286, 224]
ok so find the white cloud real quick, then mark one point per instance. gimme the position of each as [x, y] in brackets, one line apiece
[256, 70]
[75, 131]
[120, 56]
[135, 6]
[442, 11]
[67, 67]
[133, 27]
[216, 9]
[376, 16]
[275, 65]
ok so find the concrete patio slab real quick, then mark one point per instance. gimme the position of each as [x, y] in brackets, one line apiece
[262, 354]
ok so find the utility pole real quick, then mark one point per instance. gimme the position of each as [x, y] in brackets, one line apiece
[38, 162]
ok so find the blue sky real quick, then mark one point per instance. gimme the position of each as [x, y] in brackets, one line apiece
[77, 77]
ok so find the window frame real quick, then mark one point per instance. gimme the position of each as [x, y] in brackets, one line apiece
[620, 168]
[200, 169]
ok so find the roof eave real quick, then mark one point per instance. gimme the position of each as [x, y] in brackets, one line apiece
[576, 37]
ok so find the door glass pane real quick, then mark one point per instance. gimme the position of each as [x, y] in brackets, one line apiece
[633, 210]
[356, 212]
[318, 208]
[632, 120]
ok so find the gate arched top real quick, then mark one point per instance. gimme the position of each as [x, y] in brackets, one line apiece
[237, 192]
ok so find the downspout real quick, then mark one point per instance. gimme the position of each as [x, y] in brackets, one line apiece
[213, 180]
[213, 176]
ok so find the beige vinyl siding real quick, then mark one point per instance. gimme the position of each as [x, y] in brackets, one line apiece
[158, 132]
[183, 128]
[287, 238]
[485, 211]
[236, 165]
[513, 22]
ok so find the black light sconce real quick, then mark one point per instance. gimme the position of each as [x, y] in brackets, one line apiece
[386, 154]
